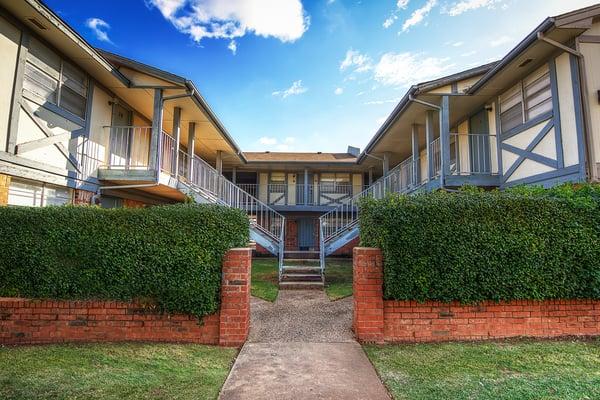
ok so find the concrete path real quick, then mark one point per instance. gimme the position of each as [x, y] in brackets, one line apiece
[301, 347]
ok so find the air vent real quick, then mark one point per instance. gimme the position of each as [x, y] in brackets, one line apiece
[37, 23]
[526, 62]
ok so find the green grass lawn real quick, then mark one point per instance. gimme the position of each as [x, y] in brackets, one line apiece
[114, 371]
[338, 278]
[506, 370]
[265, 278]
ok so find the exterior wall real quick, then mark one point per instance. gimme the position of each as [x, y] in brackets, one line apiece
[591, 53]
[4, 186]
[10, 37]
[548, 149]
[24, 321]
[378, 320]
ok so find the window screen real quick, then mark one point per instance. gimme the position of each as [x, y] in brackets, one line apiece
[49, 79]
[526, 100]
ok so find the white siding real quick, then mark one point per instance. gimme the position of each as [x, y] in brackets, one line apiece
[10, 37]
[568, 126]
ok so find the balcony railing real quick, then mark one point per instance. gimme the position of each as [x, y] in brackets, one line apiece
[128, 147]
[283, 194]
[473, 154]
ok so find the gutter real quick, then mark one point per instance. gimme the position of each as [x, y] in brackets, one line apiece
[544, 27]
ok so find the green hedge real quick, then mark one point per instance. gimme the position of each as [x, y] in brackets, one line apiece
[169, 256]
[473, 246]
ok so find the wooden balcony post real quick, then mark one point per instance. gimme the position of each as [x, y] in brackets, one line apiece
[157, 116]
[190, 150]
[415, 154]
[177, 136]
[428, 141]
[445, 138]
[305, 186]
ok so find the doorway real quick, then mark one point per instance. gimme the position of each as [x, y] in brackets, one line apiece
[306, 234]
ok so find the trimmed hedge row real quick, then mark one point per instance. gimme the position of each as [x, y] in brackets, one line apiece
[472, 246]
[169, 256]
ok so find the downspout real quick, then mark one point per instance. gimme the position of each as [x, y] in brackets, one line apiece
[439, 109]
[588, 138]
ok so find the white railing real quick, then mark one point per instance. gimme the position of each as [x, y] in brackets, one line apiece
[324, 194]
[128, 147]
[262, 217]
[344, 217]
[436, 156]
[473, 154]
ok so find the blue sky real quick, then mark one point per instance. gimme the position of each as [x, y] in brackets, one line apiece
[310, 75]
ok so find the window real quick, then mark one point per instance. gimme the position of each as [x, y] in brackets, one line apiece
[526, 100]
[50, 79]
[339, 178]
[37, 194]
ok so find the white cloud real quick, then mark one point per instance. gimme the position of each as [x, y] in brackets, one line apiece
[338, 91]
[389, 21]
[463, 6]
[469, 53]
[380, 102]
[381, 120]
[285, 20]
[272, 143]
[504, 39]
[100, 28]
[293, 90]
[267, 141]
[418, 15]
[357, 61]
[232, 46]
[400, 5]
[403, 69]
[457, 44]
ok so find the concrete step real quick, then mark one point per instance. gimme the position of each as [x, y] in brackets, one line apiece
[301, 278]
[301, 285]
[301, 269]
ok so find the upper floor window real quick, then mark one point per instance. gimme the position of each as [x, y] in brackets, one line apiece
[51, 79]
[526, 100]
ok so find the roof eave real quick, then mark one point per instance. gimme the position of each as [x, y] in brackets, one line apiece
[530, 39]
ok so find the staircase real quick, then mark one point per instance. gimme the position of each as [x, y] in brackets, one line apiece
[301, 274]
[207, 185]
[340, 225]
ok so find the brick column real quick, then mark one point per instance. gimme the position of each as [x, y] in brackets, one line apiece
[4, 185]
[368, 294]
[234, 317]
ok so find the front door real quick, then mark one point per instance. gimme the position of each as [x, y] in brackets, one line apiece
[306, 233]
[120, 136]
[479, 143]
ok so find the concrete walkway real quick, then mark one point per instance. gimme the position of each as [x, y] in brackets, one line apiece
[301, 347]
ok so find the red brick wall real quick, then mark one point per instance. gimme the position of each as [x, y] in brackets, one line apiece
[24, 321]
[128, 203]
[82, 197]
[376, 320]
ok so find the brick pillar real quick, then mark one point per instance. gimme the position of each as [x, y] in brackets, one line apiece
[367, 284]
[234, 317]
[4, 185]
[82, 197]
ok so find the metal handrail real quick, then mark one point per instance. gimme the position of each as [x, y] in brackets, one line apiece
[344, 217]
[203, 178]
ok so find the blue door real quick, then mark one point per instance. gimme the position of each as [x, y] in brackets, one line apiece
[306, 233]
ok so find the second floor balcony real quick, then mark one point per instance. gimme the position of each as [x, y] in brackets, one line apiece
[324, 194]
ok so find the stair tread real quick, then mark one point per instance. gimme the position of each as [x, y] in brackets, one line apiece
[301, 285]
